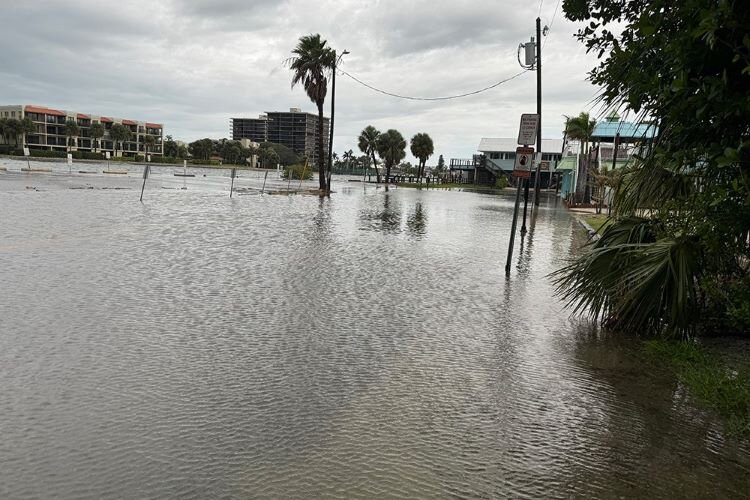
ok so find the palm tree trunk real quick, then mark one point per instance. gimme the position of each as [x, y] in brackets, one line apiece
[375, 166]
[321, 151]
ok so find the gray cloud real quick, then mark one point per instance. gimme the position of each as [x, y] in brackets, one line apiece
[194, 64]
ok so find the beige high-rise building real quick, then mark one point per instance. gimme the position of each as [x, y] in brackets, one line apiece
[50, 131]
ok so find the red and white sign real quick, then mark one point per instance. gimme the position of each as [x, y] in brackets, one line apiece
[524, 159]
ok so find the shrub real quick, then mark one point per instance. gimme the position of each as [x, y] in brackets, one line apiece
[87, 155]
[10, 150]
[298, 172]
[501, 182]
[43, 153]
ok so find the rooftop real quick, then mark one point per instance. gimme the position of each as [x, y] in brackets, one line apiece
[509, 145]
[607, 130]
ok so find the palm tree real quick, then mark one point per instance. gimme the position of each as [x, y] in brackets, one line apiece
[71, 132]
[311, 63]
[27, 127]
[4, 130]
[392, 149]
[422, 148]
[368, 144]
[119, 134]
[148, 142]
[15, 127]
[96, 131]
[581, 128]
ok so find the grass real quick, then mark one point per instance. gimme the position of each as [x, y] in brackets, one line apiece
[723, 388]
[448, 185]
[597, 222]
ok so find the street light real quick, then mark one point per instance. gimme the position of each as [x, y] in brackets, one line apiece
[333, 104]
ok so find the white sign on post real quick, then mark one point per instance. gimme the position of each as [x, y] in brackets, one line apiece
[527, 130]
[26, 152]
[70, 159]
[106, 154]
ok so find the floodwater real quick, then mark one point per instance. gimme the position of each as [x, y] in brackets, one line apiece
[363, 346]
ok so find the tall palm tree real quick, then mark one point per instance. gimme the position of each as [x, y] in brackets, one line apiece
[368, 144]
[71, 132]
[148, 143]
[422, 148]
[392, 149]
[119, 134]
[27, 127]
[96, 131]
[5, 130]
[581, 128]
[311, 63]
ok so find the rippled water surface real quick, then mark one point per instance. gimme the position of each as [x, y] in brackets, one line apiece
[367, 345]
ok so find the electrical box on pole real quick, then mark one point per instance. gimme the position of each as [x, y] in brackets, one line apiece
[530, 53]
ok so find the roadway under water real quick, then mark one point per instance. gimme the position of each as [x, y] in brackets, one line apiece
[366, 345]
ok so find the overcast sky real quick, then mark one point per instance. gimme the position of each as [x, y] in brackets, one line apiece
[194, 64]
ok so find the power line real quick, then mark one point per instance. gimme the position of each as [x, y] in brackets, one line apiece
[444, 98]
[552, 22]
[540, 8]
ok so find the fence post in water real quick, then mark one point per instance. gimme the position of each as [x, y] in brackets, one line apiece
[145, 176]
[263, 189]
[231, 188]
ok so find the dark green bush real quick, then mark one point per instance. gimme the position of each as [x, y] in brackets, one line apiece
[298, 172]
[43, 153]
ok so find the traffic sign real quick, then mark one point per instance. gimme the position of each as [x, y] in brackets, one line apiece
[26, 152]
[524, 157]
[527, 129]
[544, 165]
[523, 174]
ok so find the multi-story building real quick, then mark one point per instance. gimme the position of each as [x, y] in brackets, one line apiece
[50, 131]
[294, 129]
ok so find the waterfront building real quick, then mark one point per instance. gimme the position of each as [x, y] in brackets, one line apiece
[496, 158]
[50, 131]
[294, 129]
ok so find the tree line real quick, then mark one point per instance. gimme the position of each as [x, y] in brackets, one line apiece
[674, 258]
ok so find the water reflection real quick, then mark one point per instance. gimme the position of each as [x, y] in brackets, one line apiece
[289, 346]
[384, 214]
[416, 221]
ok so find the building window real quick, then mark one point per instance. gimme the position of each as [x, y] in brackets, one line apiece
[494, 156]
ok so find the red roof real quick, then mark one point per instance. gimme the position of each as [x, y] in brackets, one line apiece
[129, 122]
[104, 119]
[81, 116]
[46, 111]
[153, 125]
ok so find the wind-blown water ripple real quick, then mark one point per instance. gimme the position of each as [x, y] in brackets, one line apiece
[367, 345]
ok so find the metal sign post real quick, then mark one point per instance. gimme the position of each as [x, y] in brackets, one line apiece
[106, 154]
[27, 153]
[231, 188]
[145, 176]
[521, 170]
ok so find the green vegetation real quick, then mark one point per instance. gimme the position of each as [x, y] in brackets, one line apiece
[681, 213]
[581, 128]
[597, 222]
[96, 131]
[298, 172]
[723, 388]
[119, 134]
[391, 148]
[422, 148]
[501, 182]
[368, 144]
[311, 64]
[71, 133]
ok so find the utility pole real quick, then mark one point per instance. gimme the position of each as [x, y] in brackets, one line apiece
[333, 104]
[537, 180]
